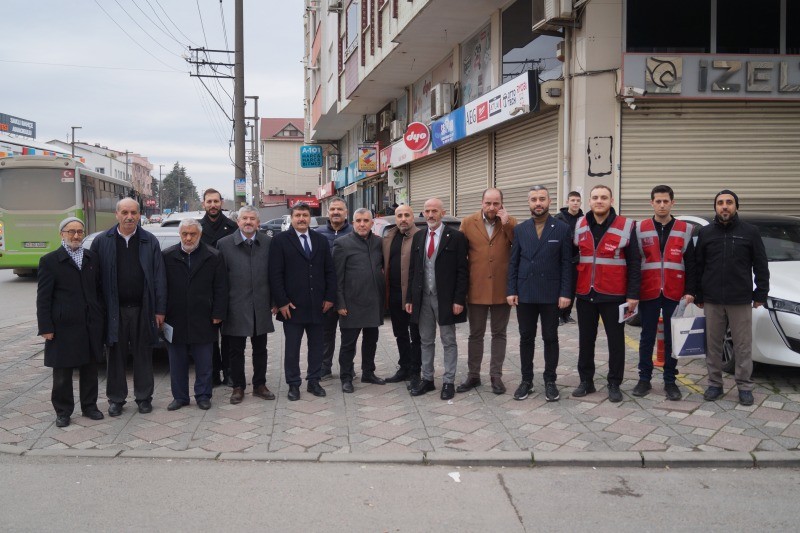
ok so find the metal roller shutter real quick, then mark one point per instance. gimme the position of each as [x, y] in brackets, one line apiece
[431, 177]
[699, 148]
[472, 174]
[526, 154]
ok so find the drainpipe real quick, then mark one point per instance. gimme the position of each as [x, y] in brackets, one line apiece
[567, 155]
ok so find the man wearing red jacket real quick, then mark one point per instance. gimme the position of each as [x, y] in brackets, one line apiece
[667, 276]
[608, 276]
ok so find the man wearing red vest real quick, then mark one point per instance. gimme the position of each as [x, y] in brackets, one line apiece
[608, 276]
[667, 276]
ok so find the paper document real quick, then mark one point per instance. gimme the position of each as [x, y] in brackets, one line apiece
[167, 331]
[624, 314]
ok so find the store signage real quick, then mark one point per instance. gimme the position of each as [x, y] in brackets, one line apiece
[417, 137]
[398, 178]
[385, 159]
[329, 189]
[368, 158]
[240, 186]
[712, 76]
[402, 154]
[311, 156]
[511, 100]
[310, 201]
[17, 126]
[350, 189]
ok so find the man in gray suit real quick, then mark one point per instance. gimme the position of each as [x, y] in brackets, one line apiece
[539, 284]
[358, 259]
[246, 255]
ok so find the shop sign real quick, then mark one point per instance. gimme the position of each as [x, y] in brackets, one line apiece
[385, 159]
[705, 76]
[417, 137]
[350, 189]
[402, 154]
[398, 178]
[368, 158]
[240, 186]
[448, 129]
[310, 201]
[17, 126]
[311, 156]
[329, 189]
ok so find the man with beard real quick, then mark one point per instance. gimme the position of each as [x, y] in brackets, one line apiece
[539, 285]
[571, 214]
[337, 226]
[730, 259]
[608, 276]
[396, 260]
[216, 226]
[489, 232]
[197, 302]
[438, 279]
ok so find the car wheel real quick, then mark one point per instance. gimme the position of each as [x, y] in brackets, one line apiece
[270, 233]
[728, 355]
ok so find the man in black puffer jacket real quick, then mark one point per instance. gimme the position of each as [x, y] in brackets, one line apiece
[730, 257]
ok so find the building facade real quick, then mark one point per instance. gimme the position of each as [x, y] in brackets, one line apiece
[281, 139]
[410, 101]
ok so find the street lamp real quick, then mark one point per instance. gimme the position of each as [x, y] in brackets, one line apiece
[160, 191]
[73, 138]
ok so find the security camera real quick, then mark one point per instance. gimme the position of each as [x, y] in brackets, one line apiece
[635, 91]
[630, 101]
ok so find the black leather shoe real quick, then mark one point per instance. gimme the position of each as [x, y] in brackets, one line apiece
[174, 405]
[114, 409]
[370, 377]
[205, 405]
[423, 387]
[641, 389]
[468, 384]
[145, 406]
[62, 421]
[347, 386]
[413, 382]
[498, 387]
[294, 393]
[672, 392]
[586, 387]
[326, 374]
[398, 376]
[316, 389]
[227, 381]
[614, 394]
[93, 414]
[216, 381]
[448, 391]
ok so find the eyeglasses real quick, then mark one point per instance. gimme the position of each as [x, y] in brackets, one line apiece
[73, 232]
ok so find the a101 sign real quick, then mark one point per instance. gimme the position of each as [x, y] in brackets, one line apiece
[310, 156]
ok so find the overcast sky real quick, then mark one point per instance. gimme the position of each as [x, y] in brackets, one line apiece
[68, 63]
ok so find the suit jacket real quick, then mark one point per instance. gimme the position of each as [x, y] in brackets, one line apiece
[452, 275]
[249, 300]
[197, 292]
[305, 282]
[488, 258]
[405, 258]
[540, 269]
[69, 304]
[359, 280]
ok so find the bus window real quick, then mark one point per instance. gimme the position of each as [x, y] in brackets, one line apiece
[29, 189]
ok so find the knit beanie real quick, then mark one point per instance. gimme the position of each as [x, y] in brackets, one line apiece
[727, 191]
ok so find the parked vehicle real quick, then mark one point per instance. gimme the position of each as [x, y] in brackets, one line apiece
[315, 222]
[273, 227]
[174, 219]
[384, 224]
[155, 219]
[776, 325]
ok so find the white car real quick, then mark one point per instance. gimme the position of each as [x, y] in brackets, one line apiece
[776, 326]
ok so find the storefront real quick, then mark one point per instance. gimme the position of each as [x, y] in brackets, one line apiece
[472, 174]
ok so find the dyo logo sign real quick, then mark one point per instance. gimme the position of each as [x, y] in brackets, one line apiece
[417, 136]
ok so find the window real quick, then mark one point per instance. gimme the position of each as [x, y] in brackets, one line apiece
[747, 27]
[522, 49]
[353, 23]
[101, 170]
[476, 65]
[678, 26]
[35, 188]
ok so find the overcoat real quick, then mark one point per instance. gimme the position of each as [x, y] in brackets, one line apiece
[405, 257]
[359, 280]
[488, 258]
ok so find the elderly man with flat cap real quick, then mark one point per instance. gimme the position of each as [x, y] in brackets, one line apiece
[729, 259]
[70, 315]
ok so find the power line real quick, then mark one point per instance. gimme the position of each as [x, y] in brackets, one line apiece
[167, 33]
[215, 100]
[172, 21]
[145, 31]
[214, 121]
[202, 26]
[224, 29]
[172, 71]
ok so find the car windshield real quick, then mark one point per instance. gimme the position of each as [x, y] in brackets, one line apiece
[781, 240]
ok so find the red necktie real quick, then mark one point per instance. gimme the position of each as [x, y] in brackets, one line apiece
[431, 245]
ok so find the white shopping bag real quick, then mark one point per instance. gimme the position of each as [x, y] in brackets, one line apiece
[688, 327]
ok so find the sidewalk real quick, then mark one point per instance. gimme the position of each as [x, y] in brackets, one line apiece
[385, 423]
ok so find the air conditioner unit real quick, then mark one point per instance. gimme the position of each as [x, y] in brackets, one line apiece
[396, 129]
[270, 192]
[441, 99]
[550, 15]
[334, 5]
[281, 191]
[370, 133]
[385, 119]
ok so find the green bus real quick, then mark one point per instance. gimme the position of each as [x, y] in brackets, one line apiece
[37, 192]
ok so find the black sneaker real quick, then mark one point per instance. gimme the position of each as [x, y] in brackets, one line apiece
[614, 394]
[712, 393]
[641, 389]
[570, 320]
[586, 387]
[525, 388]
[672, 391]
[551, 392]
[746, 397]
[326, 374]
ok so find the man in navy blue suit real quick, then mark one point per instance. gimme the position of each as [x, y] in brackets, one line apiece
[539, 284]
[302, 282]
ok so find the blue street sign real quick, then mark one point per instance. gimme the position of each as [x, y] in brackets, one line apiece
[310, 156]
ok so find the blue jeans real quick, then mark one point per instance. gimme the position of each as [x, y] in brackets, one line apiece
[649, 312]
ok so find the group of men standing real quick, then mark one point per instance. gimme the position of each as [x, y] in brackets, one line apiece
[228, 276]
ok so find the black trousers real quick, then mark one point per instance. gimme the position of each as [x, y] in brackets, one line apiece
[331, 321]
[220, 358]
[589, 314]
[62, 396]
[236, 347]
[406, 334]
[134, 337]
[293, 336]
[347, 352]
[528, 316]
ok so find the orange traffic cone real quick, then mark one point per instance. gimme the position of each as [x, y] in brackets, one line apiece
[660, 343]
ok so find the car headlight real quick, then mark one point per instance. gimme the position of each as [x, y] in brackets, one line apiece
[785, 306]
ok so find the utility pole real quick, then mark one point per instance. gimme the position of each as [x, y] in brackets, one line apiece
[160, 190]
[127, 178]
[73, 138]
[238, 95]
[254, 152]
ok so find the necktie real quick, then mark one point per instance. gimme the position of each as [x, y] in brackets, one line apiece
[248, 242]
[306, 247]
[431, 246]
